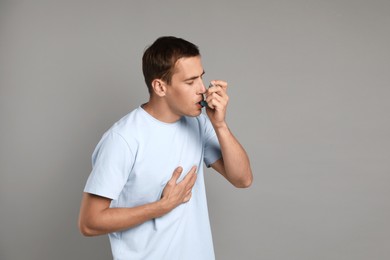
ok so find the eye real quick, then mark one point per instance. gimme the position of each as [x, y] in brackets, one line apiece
[190, 83]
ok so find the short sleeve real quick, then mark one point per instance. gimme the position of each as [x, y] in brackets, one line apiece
[212, 149]
[112, 162]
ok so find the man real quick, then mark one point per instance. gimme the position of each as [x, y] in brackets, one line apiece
[146, 189]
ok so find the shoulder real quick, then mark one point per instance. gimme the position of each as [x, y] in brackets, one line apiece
[132, 124]
[126, 129]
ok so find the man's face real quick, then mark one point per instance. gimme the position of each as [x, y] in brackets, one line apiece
[185, 91]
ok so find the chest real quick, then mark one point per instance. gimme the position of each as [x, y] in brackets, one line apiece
[160, 152]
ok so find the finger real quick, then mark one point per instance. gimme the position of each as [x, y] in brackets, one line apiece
[176, 174]
[217, 89]
[220, 83]
[190, 173]
[218, 103]
[191, 183]
[187, 198]
[210, 99]
[213, 96]
[217, 93]
[190, 178]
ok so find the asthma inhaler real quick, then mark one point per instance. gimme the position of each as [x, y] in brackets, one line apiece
[203, 103]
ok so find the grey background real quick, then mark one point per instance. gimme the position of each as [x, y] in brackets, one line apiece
[309, 99]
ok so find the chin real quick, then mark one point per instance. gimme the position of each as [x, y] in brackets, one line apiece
[194, 114]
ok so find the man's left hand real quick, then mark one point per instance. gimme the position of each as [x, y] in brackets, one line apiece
[217, 100]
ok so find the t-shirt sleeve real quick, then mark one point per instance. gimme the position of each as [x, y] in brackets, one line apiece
[212, 149]
[112, 162]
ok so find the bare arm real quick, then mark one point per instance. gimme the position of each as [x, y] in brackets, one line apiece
[97, 218]
[234, 164]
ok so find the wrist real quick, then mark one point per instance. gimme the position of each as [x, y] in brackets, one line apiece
[222, 126]
[163, 206]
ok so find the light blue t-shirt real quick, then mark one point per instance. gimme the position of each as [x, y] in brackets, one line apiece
[132, 164]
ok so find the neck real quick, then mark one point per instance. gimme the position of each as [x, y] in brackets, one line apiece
[159, 109]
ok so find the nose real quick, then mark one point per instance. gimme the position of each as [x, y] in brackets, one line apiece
[202, 89]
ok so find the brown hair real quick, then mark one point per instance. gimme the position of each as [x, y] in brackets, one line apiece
[159, 59]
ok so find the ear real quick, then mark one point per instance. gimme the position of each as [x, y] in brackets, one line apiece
[159, 87]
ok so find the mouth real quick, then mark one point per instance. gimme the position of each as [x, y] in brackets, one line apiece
[202, 103]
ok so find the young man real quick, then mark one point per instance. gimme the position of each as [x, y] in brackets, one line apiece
[146, 189]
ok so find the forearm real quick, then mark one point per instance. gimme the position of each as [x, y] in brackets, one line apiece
[95, 221]
[97, 218]
[236, 163]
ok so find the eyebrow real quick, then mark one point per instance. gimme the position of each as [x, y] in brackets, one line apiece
[195, 77]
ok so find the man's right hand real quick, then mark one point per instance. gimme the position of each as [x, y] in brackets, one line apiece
[97, 218]
[175, 193]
